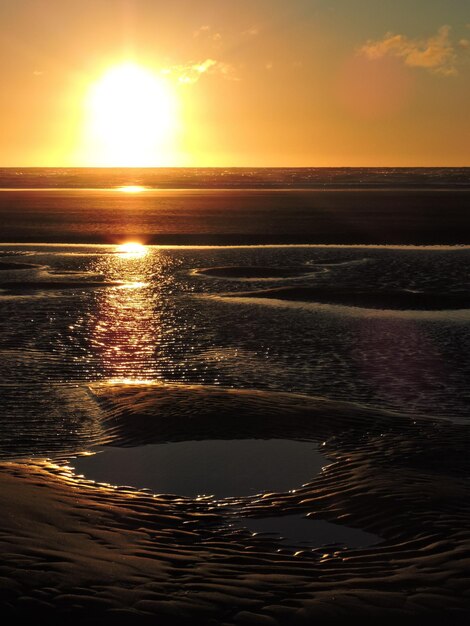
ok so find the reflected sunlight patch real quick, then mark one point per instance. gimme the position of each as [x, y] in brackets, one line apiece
[131, 188]
[133, 381]
[133, 285]
[132, 250]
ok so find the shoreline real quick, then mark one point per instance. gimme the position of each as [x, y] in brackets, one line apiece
[344, 246]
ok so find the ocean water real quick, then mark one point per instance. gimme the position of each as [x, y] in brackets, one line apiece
[236, 206]
[74, 312]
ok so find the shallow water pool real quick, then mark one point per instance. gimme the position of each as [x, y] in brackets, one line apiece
[221, 468]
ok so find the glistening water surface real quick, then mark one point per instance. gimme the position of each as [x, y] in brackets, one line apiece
[96, 314]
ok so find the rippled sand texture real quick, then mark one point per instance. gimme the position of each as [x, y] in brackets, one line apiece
[72, 548]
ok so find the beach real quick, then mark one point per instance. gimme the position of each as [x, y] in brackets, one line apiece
[235, 313]
[274, 433]
[72, 548]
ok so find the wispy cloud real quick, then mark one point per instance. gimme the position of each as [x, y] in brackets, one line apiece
[192, 72]
[205, 28]
[437, 53]
[206, 32]
[251, 32]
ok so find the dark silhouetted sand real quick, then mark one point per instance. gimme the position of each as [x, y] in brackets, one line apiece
[74, 551]
[249, 271]
[408, 300]
[7, 265]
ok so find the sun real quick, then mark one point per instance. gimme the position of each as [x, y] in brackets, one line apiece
[131, 117]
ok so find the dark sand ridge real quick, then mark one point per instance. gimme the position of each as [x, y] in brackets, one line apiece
[408, 300]
[7, 265]
[44, 285]
[40, 284]
[74, 549]
[255, 271]
[251, 271]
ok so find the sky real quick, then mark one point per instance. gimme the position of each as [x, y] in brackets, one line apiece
[235, 83]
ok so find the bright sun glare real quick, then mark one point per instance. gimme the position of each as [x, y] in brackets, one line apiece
[131, 117]
[132, 249]
[131, 188]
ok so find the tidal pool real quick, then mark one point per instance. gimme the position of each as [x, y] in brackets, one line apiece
[221, 468]
[298, 530]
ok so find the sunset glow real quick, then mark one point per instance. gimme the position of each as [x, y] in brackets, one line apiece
[235, 84]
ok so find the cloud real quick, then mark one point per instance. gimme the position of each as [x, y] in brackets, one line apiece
[206, 32]
[436, 54]
[251, 32]
[201, 30]
[192, 72]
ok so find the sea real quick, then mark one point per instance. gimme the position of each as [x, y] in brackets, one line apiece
[347, 284]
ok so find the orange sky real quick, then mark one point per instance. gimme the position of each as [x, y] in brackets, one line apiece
[259, 83]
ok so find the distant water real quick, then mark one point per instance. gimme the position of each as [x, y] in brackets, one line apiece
[235, 177]
[236, 206]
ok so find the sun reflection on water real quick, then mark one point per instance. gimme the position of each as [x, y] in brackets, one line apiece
[131, 188]
[132, 250]
[127, 325]
[135, 284]
[132, 381]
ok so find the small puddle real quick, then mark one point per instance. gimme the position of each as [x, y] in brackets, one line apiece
[297, 530]
[221, 468]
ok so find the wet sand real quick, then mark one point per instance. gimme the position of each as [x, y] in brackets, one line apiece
[48, 280]
[73, 549]
[7, 266]
[36, 285]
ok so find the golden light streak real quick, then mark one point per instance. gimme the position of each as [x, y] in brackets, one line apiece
[131, 188]
[125, 325]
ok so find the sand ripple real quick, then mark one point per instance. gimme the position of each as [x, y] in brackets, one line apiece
[250, 272]
[72, 548]
[399, 299]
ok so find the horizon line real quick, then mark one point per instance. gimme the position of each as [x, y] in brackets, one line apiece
[232, 167]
